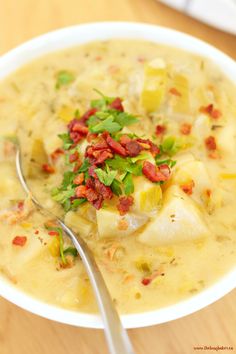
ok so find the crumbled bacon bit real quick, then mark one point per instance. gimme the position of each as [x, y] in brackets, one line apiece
[165, 170]
[117, 105]
[214, 155]
[98, 203]
[104, 155]
[90, 112]
[74, 157]
[146, 281]
[185, 128]
[19, 240]
[78, 127]
[124, 139]
[154, 173]
[115, 146]
[91, 136]
[125, 204]
[160, 129]
[77, 165]
[98, 152]
[133, 148]
[48, 168]
[208, 193]
[55, 154]
[91, 195]
[174, 91]
[20, 205]
[80, 191]
[91, 171]
[210, 143]
[105, 191]
[53, 233]
[79, 179]
[149, 145]
[36, 232]
[188, 187]
[211, 111]
[76, 137]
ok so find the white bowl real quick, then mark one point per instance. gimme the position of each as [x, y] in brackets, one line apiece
[77, 35]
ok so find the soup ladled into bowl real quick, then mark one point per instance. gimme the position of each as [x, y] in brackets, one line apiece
[133, 144]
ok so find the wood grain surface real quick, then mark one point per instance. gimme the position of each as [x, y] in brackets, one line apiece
[24, 333]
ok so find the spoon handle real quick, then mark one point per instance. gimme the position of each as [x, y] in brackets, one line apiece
[117, 337]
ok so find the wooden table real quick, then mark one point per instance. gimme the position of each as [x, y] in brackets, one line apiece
[24, 333]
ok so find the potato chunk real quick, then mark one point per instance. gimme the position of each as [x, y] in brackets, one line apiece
[196, 171]
[112, 224]
[178, 220]
[78, 223]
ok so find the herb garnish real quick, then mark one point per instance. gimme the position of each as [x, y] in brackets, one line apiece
[64, 77]
[112, 158]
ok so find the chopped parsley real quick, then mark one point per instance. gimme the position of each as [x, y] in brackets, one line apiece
[105, 177]
[63, 78]
[108, 159]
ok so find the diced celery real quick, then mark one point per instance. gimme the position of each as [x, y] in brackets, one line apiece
[38, 157]
[228, 175]
[143, 265]
[181, 103]
[154, 86]
[38, 153]
[147, 195]
[54, 247]
[66, 113]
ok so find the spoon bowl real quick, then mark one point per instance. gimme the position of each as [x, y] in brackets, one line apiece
[117, 337]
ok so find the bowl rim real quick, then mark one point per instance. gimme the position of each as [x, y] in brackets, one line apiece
[80, 34]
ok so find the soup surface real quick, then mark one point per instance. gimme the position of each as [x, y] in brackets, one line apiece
[134, 145]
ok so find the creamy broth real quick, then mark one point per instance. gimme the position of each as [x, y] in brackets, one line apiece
[185, 234]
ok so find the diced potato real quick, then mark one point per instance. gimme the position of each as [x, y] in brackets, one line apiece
[183, 158]
[196, 171]
[111, 224]
[154, 87]
[10, 188]
[192, 170]
[88, 212]
[202, 127]
[78, 223]
[226, 139]
[147, 195]
[19, 256]
[178, 220]
[180, 103]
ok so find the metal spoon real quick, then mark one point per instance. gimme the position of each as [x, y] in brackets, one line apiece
[117, 337]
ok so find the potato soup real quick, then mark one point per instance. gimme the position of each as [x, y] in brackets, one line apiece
[133, 144]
